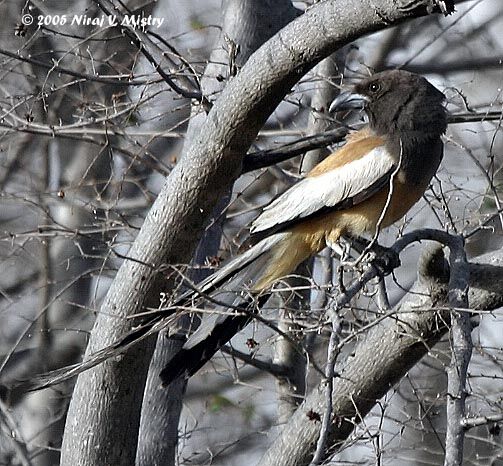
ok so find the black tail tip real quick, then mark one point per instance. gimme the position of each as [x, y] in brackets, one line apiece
[167, 377]
[174, 370]
[4, 392]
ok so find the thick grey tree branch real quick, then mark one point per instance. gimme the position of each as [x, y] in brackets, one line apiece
[208, 167]
[242, 23]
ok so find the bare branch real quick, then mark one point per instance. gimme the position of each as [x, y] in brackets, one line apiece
[461, 351]
[116, 80]
[268, 157]
[154, 55]
[471, 422]
[270, 367]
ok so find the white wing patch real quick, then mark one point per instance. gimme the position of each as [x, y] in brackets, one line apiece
[327, 190]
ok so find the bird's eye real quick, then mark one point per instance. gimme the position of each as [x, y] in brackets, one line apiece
[374, 87]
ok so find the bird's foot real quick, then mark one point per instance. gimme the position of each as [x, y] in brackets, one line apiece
[385, 259]
[446, 7]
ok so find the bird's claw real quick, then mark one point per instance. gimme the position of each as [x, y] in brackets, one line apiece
[446, 7]
[385, 259]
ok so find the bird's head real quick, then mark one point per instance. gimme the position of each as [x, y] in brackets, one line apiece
[397, 101]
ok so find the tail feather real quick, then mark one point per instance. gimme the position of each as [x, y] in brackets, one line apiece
[62, 374]
[250, 262]
[189, 360]
[195, 354]
[218, 327]
[247, 260]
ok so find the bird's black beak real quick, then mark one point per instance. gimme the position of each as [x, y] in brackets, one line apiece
[347, 101]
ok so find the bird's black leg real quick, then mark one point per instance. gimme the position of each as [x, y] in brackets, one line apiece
[385, 259]
[445, 6]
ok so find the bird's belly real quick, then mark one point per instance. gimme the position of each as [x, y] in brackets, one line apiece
[379, 211]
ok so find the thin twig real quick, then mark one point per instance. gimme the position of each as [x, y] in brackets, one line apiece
[277, 370]
[333, 352]
[461, 351]
[7, 424]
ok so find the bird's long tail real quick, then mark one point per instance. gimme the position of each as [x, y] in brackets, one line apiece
[195, 354]
[235, 309]
[215, 330]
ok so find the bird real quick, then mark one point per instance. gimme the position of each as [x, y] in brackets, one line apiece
[368, 184]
